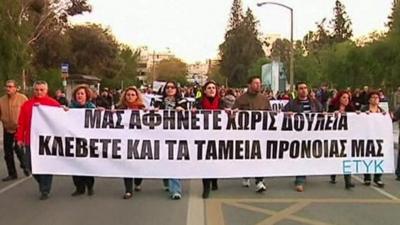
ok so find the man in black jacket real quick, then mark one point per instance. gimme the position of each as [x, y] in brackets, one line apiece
[299, 105]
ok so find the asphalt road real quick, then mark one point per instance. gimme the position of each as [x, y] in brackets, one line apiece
[321, 203]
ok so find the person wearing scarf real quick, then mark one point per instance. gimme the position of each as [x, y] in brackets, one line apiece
[210, 100]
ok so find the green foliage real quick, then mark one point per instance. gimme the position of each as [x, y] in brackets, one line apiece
[236, 15]
[52, 77]
[172, 69]
[94, 51]
[25, 27]
[280, 51]
[393, 22]
[341, 24]
[14, 53]
[255, 69]
[215, 74]
[315, 41]
[241, 47]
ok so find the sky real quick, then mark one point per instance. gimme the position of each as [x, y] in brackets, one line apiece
[193, 29]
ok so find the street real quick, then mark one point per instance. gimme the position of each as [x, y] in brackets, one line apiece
[321, 203]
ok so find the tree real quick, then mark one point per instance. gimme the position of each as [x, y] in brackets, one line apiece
[47, 16]
[171, 69]
[394, 16]
[128, 73]
[24, 23]
[281, 51]
[51, 51]
[94, 51]
[341, 24]
[14, 53]
[250, 26]
[256, 68]
[314, 41]
[236, 15]
[331, 55]
[241, 48]
[215, 74]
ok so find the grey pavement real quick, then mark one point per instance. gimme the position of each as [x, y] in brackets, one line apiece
[321, 203]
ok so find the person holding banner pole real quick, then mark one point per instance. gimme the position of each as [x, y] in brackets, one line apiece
[81, 99]
[302, 104]
[373, 107]
[131, 98]
[210, 101]
[253, 100]
[341, 104]
[23, 135]
[171, 100]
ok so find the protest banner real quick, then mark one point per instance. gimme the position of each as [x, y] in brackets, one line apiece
[206, 144]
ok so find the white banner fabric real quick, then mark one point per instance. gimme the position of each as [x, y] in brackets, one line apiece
[205, 144]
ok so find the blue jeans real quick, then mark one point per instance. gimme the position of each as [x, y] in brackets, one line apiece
[44, 180]
[300, 180]
[174, 186]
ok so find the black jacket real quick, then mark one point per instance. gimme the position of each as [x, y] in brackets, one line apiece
[160, 103]
[296, 106]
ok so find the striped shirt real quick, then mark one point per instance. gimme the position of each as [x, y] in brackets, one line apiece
[306, 105]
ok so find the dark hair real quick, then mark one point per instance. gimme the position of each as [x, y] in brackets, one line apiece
[229, 92]
[298, 83]
[85, 88]
[164, 93]
[252, 78]
[209, 82]
[335, 103]
[372, 93]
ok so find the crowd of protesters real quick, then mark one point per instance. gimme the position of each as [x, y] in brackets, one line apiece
[16, 115]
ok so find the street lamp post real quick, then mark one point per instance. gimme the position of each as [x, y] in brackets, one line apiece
[291, 75]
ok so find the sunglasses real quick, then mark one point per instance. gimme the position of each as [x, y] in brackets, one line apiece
[170, 87]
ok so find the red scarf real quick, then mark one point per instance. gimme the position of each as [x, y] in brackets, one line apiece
[206, 104]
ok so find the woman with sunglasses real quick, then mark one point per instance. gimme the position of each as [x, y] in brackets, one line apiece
[131, 98]
[171, 100]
